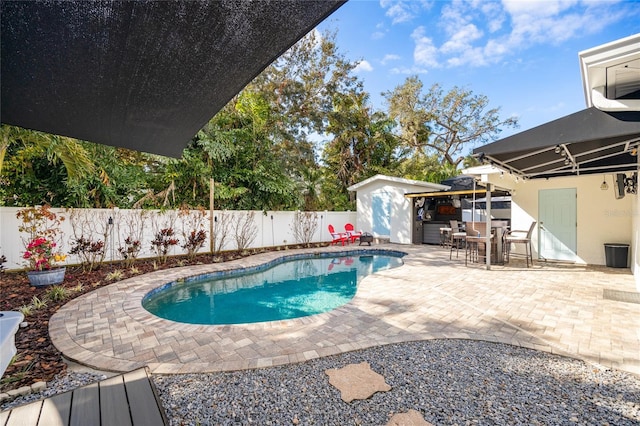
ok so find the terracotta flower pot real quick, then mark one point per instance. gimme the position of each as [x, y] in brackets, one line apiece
[46, 277]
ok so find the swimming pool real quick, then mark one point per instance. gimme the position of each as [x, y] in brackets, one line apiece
[285, 289]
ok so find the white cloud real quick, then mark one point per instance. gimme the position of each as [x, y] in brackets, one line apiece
[556, 20]
[479, 33]
[425, 52]
[403, 10]
[380, 32]
[457, 22]
[389, 58]
[496, 48]
[409, 70]
[472, 56]
[363, 66]
[494, 14]
[462, 38]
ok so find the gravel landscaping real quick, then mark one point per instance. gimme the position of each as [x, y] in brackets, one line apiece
[447, 381]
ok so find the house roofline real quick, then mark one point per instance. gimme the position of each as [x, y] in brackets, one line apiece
[394, 179]
[594, 63]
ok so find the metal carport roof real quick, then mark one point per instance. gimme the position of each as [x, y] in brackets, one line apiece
[589, 141]
[145, 75]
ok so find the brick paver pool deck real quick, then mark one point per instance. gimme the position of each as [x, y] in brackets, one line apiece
[556, 308]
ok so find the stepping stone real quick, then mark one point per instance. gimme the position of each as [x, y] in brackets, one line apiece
[410, 418]
[356, 381]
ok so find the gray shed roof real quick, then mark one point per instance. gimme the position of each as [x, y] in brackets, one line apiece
[144, 75]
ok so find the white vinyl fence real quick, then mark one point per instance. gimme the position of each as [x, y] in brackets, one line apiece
[112, 227]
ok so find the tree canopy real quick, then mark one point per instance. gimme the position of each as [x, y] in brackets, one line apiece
[444, 125]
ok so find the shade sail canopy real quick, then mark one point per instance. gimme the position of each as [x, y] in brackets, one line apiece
[589, 141]
[144, 75]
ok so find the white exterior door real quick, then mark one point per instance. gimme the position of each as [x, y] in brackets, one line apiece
[558, 224]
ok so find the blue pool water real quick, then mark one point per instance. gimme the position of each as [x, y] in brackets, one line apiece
[289, 289]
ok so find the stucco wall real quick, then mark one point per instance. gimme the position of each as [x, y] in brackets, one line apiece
[600, 217]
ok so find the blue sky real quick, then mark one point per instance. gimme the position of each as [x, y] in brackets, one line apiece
[523, 55]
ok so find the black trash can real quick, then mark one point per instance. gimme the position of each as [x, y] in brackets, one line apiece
[616, 255]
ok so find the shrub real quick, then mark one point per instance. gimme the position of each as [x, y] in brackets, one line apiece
[116, 275]
[91, 252]
[39, 222]
[42, 227]
[87, 224]
[57, 293]
[162, 242]
[41, 254]
[132, 225]
[304, 226]
[130, 250]
[194, 242]
[192, 230]
[26, 310]
[38, 303]
[245, 230]
[221, 230]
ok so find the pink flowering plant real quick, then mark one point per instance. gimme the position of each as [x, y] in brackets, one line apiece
[41, 254]
[42, 227]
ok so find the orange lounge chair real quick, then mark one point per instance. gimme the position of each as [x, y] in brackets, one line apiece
[352, 233]
[338, 237]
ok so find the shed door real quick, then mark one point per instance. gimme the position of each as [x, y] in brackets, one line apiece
[558, 224]
[381, 209]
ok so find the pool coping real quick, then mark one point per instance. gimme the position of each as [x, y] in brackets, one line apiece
[429, 297]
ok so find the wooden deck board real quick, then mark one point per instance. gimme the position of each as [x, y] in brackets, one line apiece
[4, 416]
[85, 406]
[125, 400]
[142, 399]
[25, 415]
[56, 410]
[114, 407]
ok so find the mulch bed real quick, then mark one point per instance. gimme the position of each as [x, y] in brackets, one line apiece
[37, 359]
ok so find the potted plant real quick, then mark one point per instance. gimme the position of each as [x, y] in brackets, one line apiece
[42, 227]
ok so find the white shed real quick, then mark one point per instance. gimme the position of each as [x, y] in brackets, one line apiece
[382, 208]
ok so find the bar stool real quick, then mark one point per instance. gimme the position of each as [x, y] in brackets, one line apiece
[458, 238]
[445, 236]
[476, 233]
